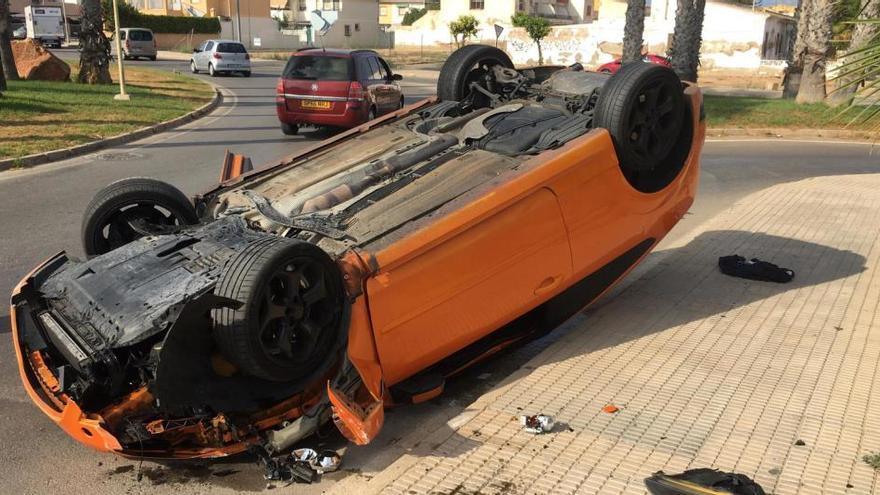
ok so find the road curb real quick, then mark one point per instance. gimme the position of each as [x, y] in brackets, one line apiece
[783, 133]
[82, 149]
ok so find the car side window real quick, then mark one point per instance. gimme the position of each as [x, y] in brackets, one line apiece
[364, 71]
[386, 71]
[208, 46]
[375, 70]
[122, 35]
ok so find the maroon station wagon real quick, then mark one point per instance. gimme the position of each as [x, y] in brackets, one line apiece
[335, 88]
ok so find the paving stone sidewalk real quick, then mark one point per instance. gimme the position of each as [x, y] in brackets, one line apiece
[706, 370]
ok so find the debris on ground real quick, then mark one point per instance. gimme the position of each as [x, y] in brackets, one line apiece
[702, 481]
[300, 466]
[872, 459]
[754, 269]
[537, 424]
[610, 409]
[800, 443]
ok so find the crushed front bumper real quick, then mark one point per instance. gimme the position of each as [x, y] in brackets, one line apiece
[42, 385]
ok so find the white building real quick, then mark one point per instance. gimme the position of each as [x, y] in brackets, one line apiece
[591, 31]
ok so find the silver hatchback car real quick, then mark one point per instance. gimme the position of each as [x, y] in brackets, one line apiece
[219, 57]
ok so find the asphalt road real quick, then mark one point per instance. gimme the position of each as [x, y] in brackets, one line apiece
[41, 214]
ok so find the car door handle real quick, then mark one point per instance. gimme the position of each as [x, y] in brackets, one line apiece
[548, 284]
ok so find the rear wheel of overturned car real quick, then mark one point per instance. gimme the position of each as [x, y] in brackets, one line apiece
[643, 108]
[292, 317]
[124, 210]
[470, 64]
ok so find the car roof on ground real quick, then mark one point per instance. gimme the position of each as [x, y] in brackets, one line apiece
[333, 52]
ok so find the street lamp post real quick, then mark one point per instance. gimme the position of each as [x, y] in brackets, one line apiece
[119, 55]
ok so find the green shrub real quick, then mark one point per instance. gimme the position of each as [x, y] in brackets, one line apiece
[130, 17]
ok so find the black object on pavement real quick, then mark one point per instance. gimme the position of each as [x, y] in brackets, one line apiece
[754, 269]
[702, 481]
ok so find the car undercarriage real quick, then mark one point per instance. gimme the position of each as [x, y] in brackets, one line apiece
[202, 329]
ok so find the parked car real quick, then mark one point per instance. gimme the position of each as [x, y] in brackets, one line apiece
[614, 66]
[359, 272]
[221, 57]
[336, 88]
[136, 43]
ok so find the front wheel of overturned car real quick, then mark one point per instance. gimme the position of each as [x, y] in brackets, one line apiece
[292, 317]
[470, 64]
[119, 213]
[643, 108]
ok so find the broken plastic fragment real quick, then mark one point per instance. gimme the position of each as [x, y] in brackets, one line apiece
[302, 465]
[325, 462]
[537, 424]
[610, 409]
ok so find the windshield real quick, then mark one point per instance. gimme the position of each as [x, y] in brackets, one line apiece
[318, 67]
[140, 35]
[231, 48]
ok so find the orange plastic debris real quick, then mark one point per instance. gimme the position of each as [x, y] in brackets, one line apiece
[610, 409]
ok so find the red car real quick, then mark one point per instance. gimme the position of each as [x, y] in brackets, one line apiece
[614, 66]
[335, 88]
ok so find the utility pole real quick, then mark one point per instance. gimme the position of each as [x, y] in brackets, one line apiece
[122, 96]
[238, 18]
[64, 22]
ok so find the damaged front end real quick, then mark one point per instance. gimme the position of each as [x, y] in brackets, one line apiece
[120, 352]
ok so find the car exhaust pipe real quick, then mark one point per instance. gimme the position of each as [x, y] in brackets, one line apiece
[374, 173]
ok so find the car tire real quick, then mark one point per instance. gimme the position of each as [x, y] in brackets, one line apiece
[192, 67]
[289, 129]
[371, 115]
[153, 58]
[293, 316]
[246, 73]
[211, 71]
[643, 108]
[402, 103]
[465, 65]
[106, 222]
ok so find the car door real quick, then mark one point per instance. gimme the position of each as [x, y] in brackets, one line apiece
[205, 56]
[461, 284]
[392, 88]
[384, 92]
[371, 81]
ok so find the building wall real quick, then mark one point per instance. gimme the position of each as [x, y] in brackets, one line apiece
[392, 13]
[71, 7]
[733, 38]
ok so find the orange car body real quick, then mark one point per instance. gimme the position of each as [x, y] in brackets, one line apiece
[565, 224]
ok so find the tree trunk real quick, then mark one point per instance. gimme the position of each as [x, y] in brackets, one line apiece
[791, 80]
[2, 81]
[5, 43]
[540, 54]
[862, 34]
[687, 38]
[94, 59]
[633, 31]
[818, 48]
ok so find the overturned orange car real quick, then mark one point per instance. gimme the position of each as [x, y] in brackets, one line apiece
[361, 272]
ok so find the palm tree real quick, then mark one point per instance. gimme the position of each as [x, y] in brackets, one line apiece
[817, 48]
[864, 63]
[791, 80]
[633, 30]
[94, 59]
[863, 33]
[6, 57]
[687, 38]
